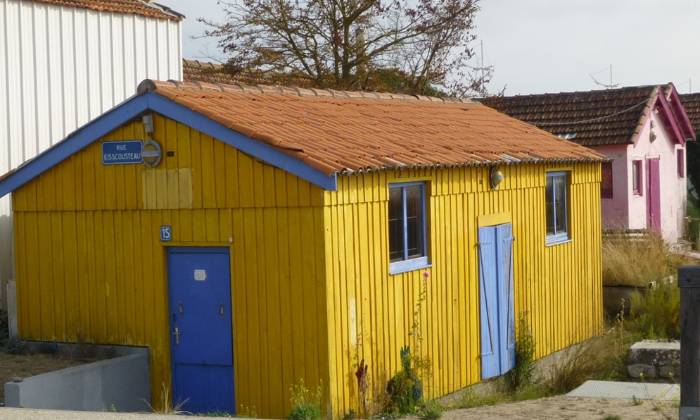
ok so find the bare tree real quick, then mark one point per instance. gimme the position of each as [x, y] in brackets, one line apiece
[415, 46]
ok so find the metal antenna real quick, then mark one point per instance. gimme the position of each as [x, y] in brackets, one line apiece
[610, 85]
[482, 59]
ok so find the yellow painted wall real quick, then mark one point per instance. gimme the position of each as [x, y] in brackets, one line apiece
[91, 267]
[371, 313]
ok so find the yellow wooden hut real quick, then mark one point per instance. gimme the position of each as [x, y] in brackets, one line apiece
[252, 237]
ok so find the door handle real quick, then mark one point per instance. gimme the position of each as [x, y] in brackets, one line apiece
[176, 334]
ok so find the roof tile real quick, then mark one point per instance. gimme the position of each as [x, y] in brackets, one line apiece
[352, 131]
[595, 117]
[691, 103]
[131, 7]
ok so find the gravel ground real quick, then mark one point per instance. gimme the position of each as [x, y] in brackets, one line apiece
[23, 366]
[563, 407]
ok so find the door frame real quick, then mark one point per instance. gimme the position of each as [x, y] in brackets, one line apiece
[189, 248]
[653, 222]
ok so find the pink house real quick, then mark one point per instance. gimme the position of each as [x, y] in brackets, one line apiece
[642, 129]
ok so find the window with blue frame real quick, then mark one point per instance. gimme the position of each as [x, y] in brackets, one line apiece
[557, 207]
[407, 227]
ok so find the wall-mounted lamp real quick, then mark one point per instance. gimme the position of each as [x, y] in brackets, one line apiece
[148, 124]
[652, 134]
[495, 177]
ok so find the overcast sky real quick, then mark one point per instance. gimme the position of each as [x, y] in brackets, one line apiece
[554, 45]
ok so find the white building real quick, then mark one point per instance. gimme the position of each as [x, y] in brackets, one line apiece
[62, 63]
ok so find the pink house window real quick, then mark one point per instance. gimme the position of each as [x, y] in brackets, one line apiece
[606, 183]
[637, 174]
[680, 157]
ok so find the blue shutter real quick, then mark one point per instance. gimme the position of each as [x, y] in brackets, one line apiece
[506, 314]
[488, 296]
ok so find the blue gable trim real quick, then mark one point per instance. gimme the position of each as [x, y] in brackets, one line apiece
[74, 143]
[136, 106]
[255, 148]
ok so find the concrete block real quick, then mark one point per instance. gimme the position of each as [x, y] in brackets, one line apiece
[640, 370]
[672, 371]
[662, 356]
[121, 384]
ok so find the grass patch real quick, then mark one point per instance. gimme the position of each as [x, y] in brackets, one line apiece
[431, 410]
[637, 262]
[472, 399]
[601, 357]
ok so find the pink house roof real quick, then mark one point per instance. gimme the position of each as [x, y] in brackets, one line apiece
[599, 117]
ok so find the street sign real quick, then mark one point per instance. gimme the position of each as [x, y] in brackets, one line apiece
[122, 152]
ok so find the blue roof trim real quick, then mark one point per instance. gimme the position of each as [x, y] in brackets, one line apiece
[255, 148]
[137, 105]
[74, 143]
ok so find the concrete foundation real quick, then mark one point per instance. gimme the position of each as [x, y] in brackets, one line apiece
[12, 309]
[118, 384]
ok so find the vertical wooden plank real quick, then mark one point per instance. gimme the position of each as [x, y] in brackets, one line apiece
[72, 287]
[170, 146]
[83, 276]
[232, 193]
[245, 180]
[58, 275]
[263, 293]
[220, 180]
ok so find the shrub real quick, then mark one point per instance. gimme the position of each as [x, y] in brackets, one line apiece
[655, 313]
[305, 404]
[4, 328]
[521, 375]
[636, 262]
[16, 346]
[405, 389]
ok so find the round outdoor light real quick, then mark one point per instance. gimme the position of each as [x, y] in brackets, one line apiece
[152, 153]
[495, 177]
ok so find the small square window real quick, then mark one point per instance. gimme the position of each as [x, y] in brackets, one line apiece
[407, 227]
[637, 177]
[557, 207]
[606, 184]
[680, 157]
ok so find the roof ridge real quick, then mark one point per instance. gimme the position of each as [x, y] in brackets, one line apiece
[652, 86]
[300, 91]
[147, 8]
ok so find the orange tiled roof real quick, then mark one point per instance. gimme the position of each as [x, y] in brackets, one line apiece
[131, 7]
[344, 132]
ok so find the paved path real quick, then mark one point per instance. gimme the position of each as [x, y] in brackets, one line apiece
[628, 391]
[574, 408]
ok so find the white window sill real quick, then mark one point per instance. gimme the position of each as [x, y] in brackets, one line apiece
[413, 264]
[557, 240]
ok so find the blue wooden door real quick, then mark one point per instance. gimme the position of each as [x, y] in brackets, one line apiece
[496, 300]
[201, 330]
